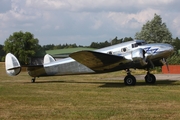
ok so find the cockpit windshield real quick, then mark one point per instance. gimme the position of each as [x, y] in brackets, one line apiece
[138, 44]
[141, 43]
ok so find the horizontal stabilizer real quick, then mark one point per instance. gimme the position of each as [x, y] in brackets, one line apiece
[35, 70]
[12, 65]
[48, 59]
[98, 61]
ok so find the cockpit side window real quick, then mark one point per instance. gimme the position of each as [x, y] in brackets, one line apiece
[134, 45]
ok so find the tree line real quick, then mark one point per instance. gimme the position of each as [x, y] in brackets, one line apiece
[23, 44]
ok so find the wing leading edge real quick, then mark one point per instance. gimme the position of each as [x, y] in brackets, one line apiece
[99, 62]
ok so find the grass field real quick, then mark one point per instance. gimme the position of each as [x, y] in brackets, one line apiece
[86, 97]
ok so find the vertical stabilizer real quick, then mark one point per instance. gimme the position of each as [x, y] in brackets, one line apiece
[48, 59]
[12, 65]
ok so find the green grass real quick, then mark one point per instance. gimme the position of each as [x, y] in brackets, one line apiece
[86, 97]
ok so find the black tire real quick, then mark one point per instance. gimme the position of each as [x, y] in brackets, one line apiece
[130, 80]
[150, 79]
[33, 80]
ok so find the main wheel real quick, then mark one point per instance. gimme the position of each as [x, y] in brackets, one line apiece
[129, 80]
[33, 80]
[150, 78]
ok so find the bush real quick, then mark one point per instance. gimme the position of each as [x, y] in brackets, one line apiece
[174, 60]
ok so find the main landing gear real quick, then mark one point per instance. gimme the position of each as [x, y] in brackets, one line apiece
[33, 80]
[131, 80]
[150, 78]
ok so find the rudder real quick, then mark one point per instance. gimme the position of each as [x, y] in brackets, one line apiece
[12, 65]
[48, 59]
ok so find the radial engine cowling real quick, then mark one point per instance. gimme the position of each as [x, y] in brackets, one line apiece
[138, 57]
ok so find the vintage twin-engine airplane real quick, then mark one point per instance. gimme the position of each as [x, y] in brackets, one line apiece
[123, 56]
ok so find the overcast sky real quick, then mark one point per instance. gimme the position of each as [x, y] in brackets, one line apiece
[84, 21]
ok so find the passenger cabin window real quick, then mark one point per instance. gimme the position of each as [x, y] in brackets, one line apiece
[110, 52]
[123, 49]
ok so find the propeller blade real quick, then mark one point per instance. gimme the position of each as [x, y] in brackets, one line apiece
[167, 65]
[164, 61]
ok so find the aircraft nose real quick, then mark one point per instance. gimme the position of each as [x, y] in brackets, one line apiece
[169, 48]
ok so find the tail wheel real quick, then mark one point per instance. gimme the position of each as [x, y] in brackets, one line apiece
[150, 78]
[129, 80]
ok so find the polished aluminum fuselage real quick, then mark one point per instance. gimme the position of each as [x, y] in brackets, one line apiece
[68, 66]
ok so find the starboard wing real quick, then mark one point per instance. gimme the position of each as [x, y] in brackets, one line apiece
[97, 61]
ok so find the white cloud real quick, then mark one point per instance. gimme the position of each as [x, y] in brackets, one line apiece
[5, 6]
[46, 4]
[82, 21]
[97, 24]
[176, 25]
[154, 2]
[132, 20]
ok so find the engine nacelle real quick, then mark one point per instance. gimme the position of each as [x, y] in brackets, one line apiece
[138, 56]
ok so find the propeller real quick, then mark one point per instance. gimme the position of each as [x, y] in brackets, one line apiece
[164, 61]
[148, 59]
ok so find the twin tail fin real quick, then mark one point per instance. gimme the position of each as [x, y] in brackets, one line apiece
[12, 65]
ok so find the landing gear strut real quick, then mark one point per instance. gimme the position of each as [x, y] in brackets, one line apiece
[150, 78]
[33, 80]
[129, 79]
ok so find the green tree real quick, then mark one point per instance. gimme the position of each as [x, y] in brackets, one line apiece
[155, 31]
[22, 45]
[104, 44]
[176, 44]
[116, 41]
[127, 39]
[39, 51]
[2, 53]
[94, 45]
[49, 47]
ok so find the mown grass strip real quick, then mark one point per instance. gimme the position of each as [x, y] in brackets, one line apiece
[86, 97]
